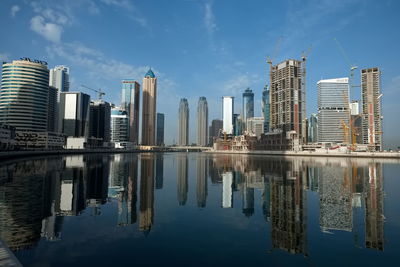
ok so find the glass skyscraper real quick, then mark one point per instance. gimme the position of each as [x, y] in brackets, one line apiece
[248, 106]
[130, 103]
[160, 129]
[266, 108]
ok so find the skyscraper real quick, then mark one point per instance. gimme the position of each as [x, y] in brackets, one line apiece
[287, 96]
[227, 114]
[215, 128]
[248, 106]
[313, 129]
[99, 122]
[24, 95]
[371, 108]
[119, 126]
[266, 108]
[160, 129]
[149, 108]
[52, 107]
[74, 114]
[333, 110]
[130, 103]
[59, 78]
[202, 122]
[183, 128]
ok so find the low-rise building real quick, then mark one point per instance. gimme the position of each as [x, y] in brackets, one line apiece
[39, 140]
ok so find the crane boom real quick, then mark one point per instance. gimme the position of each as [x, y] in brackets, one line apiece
[100, 92]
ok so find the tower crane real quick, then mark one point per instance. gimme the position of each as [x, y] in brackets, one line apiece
[304, 56]
[271, 58]
[100, 92]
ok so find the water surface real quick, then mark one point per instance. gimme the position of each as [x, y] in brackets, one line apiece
[200, 209]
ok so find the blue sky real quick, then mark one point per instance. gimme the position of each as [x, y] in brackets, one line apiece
[206, 48]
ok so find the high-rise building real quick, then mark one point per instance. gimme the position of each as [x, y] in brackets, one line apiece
[313, 129]
[238, 124]
[371, 108]
[130, 103]
[183, 128]
[287, 96]
[160, 129]
[215, 128]
[354, 108]
[99, 122]
[24, 95]
[248, 106]
[149, 109]
[255, 126]
[266, 108]
[52, 108]
[74, 114]
[227, 114]
[202, 122]
[59, 78]
[119, 125]
[333, 110]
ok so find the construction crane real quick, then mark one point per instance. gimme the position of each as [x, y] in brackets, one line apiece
[271, 58]
[304, 56]
[100, 92]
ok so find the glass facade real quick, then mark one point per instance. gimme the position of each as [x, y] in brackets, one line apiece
[160, 129]
[266, 108]
[248, 105]
[130, 103]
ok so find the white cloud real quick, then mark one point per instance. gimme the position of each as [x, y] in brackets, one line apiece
[48, 30]
[236, 85]
[209, 18]
[14, 10]
[119, 3]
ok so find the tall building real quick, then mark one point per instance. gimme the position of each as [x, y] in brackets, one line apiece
[119, 126]
[74, 114]
[227, 114]
[160, 129]
[371, 108]
[354, 108]
[238, 124]
[100, 120]
[248, 106]
[59, 78]
[24, 95]
[202, 122]
[313, 129]
[215, 128]
[52, 108]
[287, 96]
[265, 105]
[149, 108]
[183, 128]
[130, 103]
[255, 126]
[333, 110]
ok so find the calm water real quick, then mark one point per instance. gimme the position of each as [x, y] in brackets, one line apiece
[200, 209]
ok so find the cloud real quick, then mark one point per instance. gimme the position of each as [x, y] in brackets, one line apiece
[4, 57]
[48, 30]
[14, 10]
[135, 15]
[209, 18]
[119, 3]
[236, 85]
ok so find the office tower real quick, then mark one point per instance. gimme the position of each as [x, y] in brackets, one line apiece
[24, 95]
[202, 122]
[182, 183]
[74, 114]
[354, 108]
[255, 126]
[371, 108]
[119, 125]
[183, 127]
[248, 106]
[160, 129]
[130, 103]
[159, 171]
[287, 96]
[52, 107]
[149, 109]
[59, 78]
[227, 114]
[237, 125]
[313, 129]
[333, 110]
[146, 193]
[100, 120]
[227, 196]
[215, 128]
[265, 106]
[201, 186]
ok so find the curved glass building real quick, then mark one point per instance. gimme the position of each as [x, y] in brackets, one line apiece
[24, 95]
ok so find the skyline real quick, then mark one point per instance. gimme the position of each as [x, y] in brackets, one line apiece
[203, 49]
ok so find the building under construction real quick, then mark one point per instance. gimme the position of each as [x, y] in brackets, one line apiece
[287, 96]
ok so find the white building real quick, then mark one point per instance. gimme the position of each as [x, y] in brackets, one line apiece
[255, 126]
[227, 114]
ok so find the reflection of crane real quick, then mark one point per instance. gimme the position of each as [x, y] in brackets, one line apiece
[100, 92]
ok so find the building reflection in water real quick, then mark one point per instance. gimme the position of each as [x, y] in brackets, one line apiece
[146, 193]
[182, 162]
[201, 186]
[35, 195]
